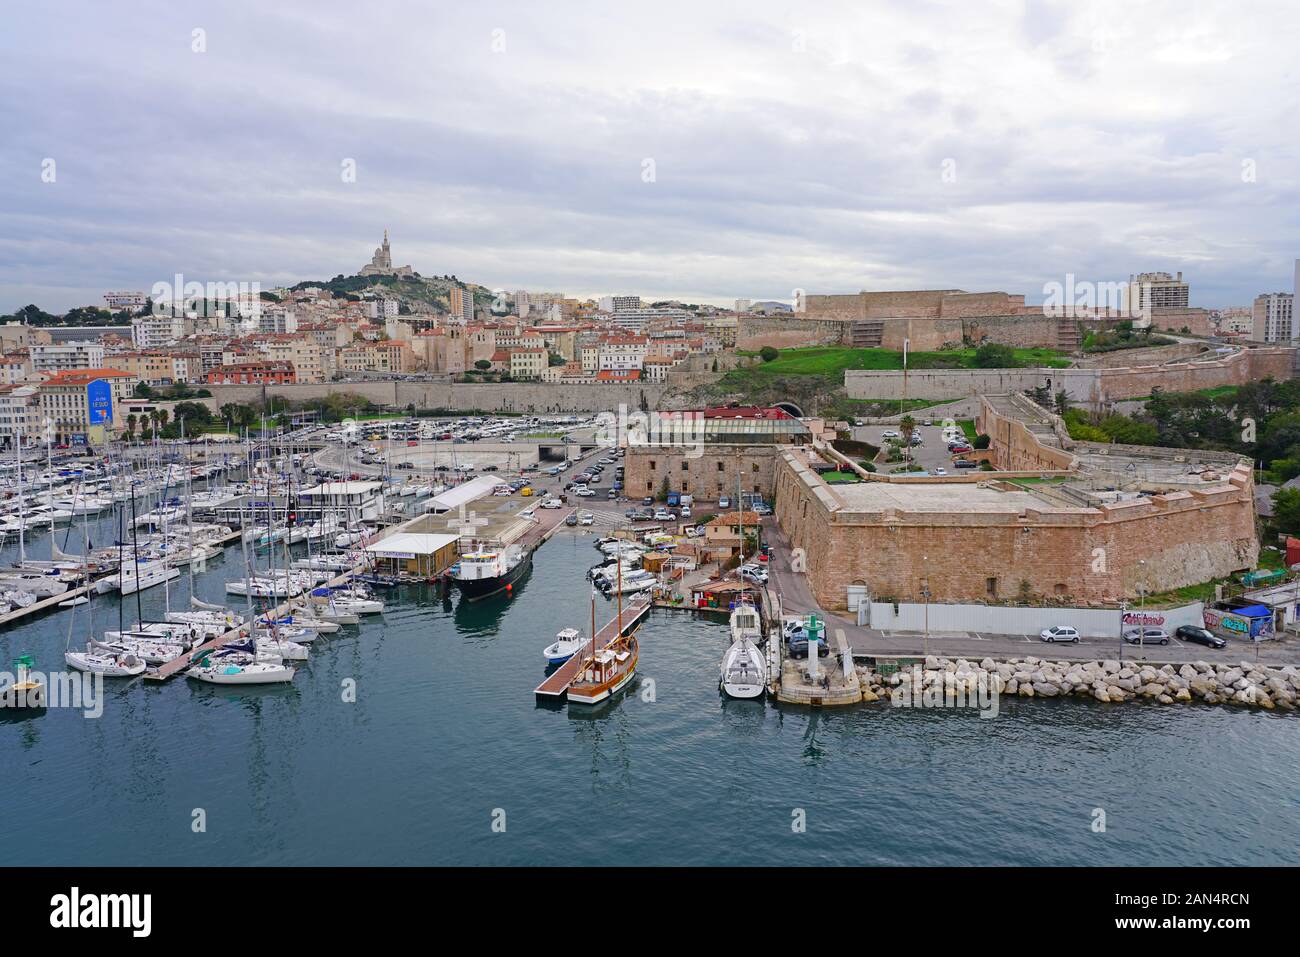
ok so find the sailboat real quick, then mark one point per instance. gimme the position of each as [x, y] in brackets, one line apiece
[603, 673]
[99, 658]
[743, 673]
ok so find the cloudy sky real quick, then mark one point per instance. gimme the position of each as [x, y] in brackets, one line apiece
[702, 150]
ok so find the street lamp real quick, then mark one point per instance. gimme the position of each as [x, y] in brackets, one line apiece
[925, 593]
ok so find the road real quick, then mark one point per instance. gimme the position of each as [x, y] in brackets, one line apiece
[796, 598]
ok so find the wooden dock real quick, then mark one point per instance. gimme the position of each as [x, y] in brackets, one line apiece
[45, 604]
[557, 684]
[169, 668]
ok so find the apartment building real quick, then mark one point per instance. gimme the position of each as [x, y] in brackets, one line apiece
[153, 332]
[1159, 290]
[1272, 316]
[618, 304]
[66, 356]
[300, 351]
[622, 353]
[20, 415]
[252, 373]
[528, 362]
[83, 405]
[151, 368]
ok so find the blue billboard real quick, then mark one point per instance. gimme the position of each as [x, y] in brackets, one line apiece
[99, 402]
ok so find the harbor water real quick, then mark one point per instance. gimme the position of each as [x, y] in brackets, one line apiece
[415, 738]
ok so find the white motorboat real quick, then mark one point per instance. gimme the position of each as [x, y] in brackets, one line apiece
[566, 645]
[743, 673]
[631, 584]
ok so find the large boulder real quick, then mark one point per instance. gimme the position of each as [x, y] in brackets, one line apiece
[1045, 688]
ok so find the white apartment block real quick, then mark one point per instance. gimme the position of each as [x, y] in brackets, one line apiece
[622, 354]
[276, 321]
[634, 320]
[154, 332]
[117, 301]
[1273, 319]
[66, 356]
[619, 303]
[20, 415]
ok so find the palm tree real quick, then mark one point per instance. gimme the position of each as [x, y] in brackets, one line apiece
[162, 417]
[131, 421]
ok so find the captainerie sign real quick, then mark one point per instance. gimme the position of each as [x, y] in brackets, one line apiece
[99, 402]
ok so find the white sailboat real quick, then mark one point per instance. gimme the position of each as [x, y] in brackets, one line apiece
[743, 673]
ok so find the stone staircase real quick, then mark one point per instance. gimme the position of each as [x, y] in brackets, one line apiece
[1068, 338]
[867, 333]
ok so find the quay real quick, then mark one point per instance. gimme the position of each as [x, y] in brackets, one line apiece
[556, 685]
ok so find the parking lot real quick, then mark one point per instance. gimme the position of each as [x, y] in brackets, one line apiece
[931, 454]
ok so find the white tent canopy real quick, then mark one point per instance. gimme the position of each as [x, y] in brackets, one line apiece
[464, 493]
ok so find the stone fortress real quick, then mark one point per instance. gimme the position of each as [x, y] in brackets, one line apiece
[1066, 522]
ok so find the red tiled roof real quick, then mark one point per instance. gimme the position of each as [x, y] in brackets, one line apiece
[86, 376]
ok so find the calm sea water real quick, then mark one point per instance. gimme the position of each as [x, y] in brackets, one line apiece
[445, 734]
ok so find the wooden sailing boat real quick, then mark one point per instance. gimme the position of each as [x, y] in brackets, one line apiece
[604, 672]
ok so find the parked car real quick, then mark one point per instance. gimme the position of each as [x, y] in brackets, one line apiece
[1060, 633]
[648, 500]
[966, 464]
[754, 573]
[1199, 636]
[405, 465]
[890, 434]
[686, 511]
[551, 503]
[571, 519]
[587, 518]
[663, 515]
[724, 501]
[796, 642]
[584, 493]
[1146, 636]
[940, 471]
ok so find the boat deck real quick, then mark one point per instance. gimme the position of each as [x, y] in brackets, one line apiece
[557, 683]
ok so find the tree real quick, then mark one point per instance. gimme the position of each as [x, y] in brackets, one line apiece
[981, 441]
[1286, 510]
[483, 365]
[143, 391]
[163, 417]
[131, 421]
[994, 355]
[767, 353]
[196, 414]
[1061, 402]
[907, 426]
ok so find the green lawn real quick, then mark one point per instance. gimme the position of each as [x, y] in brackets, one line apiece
[829, 360]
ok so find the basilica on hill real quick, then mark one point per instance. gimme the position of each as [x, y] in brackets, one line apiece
[381, 263]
